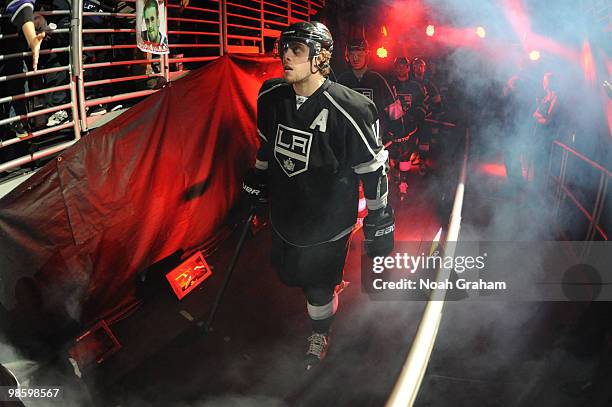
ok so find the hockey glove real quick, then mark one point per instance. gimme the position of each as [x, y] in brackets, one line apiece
[255, 187]
[378, 229]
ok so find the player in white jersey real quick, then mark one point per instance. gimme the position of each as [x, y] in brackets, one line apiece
[318, 140]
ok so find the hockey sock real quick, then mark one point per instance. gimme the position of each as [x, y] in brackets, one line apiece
[322, 316]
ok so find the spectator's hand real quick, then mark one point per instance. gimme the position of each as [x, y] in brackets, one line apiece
[35, 47]
[34, 40]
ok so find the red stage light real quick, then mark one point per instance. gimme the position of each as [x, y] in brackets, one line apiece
[381, 52]
[184, 278]
[430, 30]
[534, 55]
[481, 32]
[588, 66]
[384, 31]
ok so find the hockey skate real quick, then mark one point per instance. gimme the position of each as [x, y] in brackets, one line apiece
[317, 349]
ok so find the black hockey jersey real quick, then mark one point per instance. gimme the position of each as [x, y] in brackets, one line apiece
[412, 97]
[315, 156]
[433, 99]
[374, 87]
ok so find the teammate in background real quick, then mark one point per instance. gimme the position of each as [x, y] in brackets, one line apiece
[433, 103]
[412, 98]
[372, 85]
[21, 21]
[318, 140]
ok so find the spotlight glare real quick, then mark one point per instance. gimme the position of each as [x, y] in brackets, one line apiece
[534, 55]
[381, 52]
[430, 30]
[481, 32]
[384, 31]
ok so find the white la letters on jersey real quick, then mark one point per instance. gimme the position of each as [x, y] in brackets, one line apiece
[292, 149]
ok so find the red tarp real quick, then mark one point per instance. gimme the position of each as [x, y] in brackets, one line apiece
[160, 177]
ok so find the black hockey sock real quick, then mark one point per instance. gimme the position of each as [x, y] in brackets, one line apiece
[322, 326]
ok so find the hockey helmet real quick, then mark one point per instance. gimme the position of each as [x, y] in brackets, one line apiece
[314, 34]
[358, 44]
[401, 61]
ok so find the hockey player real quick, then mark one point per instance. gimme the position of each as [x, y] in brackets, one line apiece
[372, 85]
[318, 139]
[411, 95]
[433, 103]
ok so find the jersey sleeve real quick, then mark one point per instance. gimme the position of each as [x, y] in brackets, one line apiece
[369, 158]
[265, 121]
[20, 11]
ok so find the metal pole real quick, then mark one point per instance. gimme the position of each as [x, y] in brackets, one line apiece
[223, 28]
[163, 59]
[262, 27]
[77, 81]
[230, 270]
[409, 381]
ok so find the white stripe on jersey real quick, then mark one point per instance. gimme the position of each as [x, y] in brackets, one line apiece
[348, 116]
[374, 204]
[261, 135]
[21, 8]
[374, 164]
[376, 129]
[271, 89]
[380, 201]
[261, 165]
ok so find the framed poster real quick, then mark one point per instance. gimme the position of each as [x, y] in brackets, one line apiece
[151, 29]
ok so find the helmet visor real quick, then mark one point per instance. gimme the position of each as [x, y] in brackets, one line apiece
[296, 50]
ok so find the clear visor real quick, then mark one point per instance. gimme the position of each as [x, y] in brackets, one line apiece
[297, 51]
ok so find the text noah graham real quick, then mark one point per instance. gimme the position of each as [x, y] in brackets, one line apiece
[425, 284]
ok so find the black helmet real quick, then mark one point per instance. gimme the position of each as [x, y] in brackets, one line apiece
[401, 61]
[357, 44]
[313, 34]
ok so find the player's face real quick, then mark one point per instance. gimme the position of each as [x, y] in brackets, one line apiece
[419, 69]
[402, 70]
[296, 62]
[357, 59]
[152, 23]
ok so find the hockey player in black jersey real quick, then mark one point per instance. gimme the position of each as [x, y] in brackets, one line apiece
[411, 95]
[372, 85]
[318, 139]
[433, 102]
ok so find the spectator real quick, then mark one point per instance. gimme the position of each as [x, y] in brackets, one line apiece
[21, 21]
[546, 117]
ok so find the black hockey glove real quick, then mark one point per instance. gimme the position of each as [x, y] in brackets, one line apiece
[378, 229]
[255, 187]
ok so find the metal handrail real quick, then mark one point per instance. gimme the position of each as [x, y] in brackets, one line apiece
[57, 31]
[29, 53]
[243, 6]
[409, 381]
[562, 191]
[34, 93]
[584, 158]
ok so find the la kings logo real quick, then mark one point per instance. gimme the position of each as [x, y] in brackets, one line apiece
[406, 99]
[369, 93]
[292, 149]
